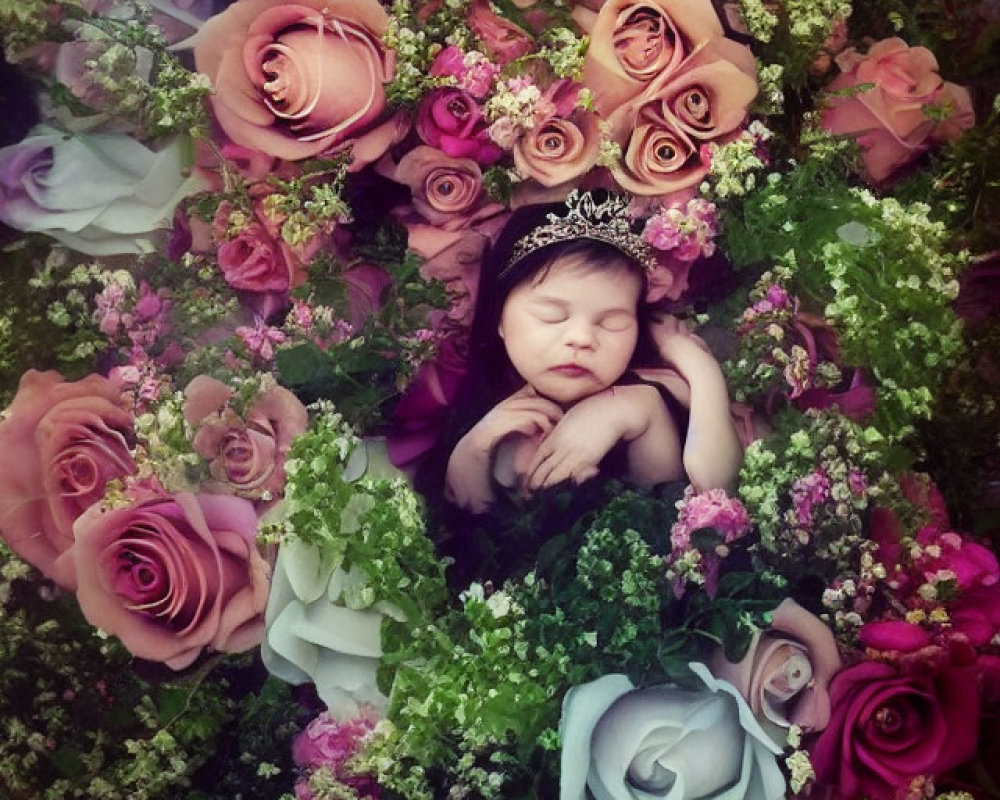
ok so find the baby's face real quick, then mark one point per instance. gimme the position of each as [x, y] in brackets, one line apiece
[572, 333]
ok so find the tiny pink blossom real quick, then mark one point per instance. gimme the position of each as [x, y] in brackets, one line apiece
[808, 492]
[261, 338]
[856, 482]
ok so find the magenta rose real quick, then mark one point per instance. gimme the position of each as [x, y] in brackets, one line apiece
[892, 722]
[888, 114]
[59, 447]
[171, 576]
[295, 80]
[452, 121]
[246, 457]
[332, 742]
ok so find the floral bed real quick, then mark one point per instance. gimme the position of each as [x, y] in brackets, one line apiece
[241, 247]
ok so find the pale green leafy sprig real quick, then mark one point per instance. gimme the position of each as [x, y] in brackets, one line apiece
[372, 528]
[810, 22]
[734, 165]
[564, 51]
[166, 451]
[850, 460]
[771, 94]
[470, 689]
[759, 19]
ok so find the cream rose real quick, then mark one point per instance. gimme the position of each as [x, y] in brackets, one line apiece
[298, 79]
[623, 743]
[635, 41]
[785, 674]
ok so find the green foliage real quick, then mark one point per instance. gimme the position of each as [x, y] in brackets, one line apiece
[803, 532]
[78, 722]
[481, 684]
[361, 373]
[372, 528]
[879, 271]
[45, 320]
[253, 757]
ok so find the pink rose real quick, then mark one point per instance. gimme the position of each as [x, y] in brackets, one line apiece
[295, 80]
[59, 447]
[895, 721]
[446, 192]
[894, 634]
[253, 261]
[246, 457]
[171, 576]
[501, 38]
[256, 258]
[662, 129]
[634, 42]
[976, 614]
[785, 674]
[890, 120]
[451, 120]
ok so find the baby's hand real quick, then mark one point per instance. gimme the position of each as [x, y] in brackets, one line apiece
[468, 480]
[524, 412]
[680, 347]
[575, 447]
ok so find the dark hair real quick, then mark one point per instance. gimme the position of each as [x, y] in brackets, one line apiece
[491, 376]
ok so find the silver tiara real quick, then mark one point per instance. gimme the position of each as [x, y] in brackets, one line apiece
[585, 218]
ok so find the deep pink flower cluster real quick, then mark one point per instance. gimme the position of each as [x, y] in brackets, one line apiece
[712, 509]
[473, 71]
[327, 745]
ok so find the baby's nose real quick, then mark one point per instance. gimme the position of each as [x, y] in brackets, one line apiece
[580, 334]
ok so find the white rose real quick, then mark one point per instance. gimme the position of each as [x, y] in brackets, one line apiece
[100, 194]
[623, 743]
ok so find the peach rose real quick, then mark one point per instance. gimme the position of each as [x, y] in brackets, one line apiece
[246, 457]
[562, 146]
[294, 80]
[661, 131]
[890, 119]
[635, 41]
[59, 447]
[446, 192]
[785, 674]
[170, 576]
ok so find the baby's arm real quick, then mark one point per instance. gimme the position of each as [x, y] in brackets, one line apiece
[635, 414]
[712, 451]
[468, 480]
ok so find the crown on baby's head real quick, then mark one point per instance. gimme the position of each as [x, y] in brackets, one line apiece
[606, 221]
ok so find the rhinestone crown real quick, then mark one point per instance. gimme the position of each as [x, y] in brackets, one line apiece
[607, 221]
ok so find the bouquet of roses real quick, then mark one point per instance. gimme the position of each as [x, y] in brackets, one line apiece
[242, 247]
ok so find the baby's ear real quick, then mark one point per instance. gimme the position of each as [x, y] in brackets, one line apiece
[500, 329]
